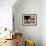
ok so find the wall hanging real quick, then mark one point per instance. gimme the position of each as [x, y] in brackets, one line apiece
[29, 19]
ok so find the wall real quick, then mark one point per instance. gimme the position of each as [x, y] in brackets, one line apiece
[43, 22]
[28, 7]
[6, 13]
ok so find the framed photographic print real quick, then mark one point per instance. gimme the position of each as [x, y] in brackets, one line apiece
[29, 19]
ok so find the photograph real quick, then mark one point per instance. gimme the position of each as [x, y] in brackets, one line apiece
[29, 19]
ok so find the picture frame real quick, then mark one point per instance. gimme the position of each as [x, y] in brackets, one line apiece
[29, 19]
